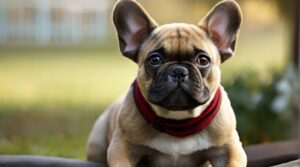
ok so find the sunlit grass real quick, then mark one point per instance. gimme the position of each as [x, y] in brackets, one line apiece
[66, 77]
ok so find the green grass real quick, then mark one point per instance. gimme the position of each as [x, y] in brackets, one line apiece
[64, 76]
[57, 134]
[50, 97]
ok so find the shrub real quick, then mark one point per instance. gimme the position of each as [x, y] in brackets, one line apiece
[265, 110]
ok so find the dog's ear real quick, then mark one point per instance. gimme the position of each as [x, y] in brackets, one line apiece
[133, 25]
[222, 24]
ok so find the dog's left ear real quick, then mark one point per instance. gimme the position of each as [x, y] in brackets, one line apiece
[222, 24]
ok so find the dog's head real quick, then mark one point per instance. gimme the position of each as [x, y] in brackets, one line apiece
[179, 64]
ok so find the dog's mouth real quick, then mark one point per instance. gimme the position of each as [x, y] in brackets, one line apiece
[178, 96]
[179, 100]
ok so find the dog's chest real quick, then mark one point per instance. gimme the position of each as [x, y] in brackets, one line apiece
[177, 152]
[180, 146]
[157, 159]
[171, 161]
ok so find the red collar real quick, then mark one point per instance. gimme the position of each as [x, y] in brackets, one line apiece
[177, 128]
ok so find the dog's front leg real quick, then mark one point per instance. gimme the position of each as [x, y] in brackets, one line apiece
[236, 154]
[118, 154]
[232, 157]
[231, 154]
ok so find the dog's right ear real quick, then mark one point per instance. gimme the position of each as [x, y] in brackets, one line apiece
[133, 25]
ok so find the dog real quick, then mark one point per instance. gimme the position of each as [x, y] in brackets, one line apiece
[176, 113]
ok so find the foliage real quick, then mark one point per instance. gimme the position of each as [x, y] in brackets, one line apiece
[265, 111]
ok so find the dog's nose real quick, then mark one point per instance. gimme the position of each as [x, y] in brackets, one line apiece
[179, 73]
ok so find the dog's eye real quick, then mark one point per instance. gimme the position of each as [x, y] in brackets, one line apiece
[203, 60]
[155, 59]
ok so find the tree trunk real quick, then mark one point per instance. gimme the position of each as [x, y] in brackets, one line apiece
[296, 58]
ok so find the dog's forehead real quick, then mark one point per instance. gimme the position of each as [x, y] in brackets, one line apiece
[181, 38]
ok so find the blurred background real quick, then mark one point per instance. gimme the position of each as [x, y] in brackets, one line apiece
[60, 67]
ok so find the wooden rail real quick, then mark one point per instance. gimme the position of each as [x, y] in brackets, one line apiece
[262, 155]
[258, 156]
[42, 161]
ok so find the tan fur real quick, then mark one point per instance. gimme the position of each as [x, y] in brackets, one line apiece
[122, 138]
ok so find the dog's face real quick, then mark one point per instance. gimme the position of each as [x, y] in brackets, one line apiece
[178, 67]
[179, 64]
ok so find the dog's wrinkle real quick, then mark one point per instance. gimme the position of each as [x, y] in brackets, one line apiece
[157, 97]
[163, 81]
[160, 89]
[203, 97]
[197, 91]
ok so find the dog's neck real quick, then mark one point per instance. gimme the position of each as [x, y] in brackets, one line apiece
[178, 128]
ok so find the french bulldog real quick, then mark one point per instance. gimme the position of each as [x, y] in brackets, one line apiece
[176, 113]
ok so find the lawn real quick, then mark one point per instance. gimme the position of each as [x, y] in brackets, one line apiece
[50, 97]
